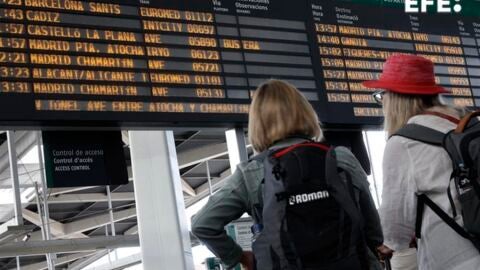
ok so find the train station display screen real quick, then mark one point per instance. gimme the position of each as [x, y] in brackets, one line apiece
[171, 62]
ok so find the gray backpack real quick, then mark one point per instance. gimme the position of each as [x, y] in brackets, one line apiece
[463, 147]
[309, 218]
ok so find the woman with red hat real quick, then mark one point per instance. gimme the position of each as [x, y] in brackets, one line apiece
[410, 95]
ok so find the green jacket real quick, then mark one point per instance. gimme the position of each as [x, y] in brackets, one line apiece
[240, 194]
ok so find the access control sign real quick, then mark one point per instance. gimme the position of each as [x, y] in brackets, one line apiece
[84, 158]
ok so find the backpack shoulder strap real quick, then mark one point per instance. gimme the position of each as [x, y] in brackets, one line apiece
[422, 134]
[422, 200]
[344, 191]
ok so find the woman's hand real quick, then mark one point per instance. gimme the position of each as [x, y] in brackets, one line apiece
[413, 243]
[247, 260]
[384, 252]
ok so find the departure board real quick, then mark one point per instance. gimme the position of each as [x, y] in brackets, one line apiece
[197, 63]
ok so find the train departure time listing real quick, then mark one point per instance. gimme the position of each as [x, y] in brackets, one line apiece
[177, 63]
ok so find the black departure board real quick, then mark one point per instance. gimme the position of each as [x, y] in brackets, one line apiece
[197, 63]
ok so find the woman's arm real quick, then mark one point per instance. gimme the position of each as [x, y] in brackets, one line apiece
[227, 205]
[399, 202]
[373, 230]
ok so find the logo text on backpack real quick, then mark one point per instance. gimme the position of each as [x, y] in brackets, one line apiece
[308, 197]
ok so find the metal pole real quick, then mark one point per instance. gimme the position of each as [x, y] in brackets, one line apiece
[112, 221]
[43, 228]
[109, 250]
[162, 223]
[209, 179]
[110, 210]
[46, 211]
[39, 206]
[237, 148]
[369, 151]
[14, 174]
[12, 155]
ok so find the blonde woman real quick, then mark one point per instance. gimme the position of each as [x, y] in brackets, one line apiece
[280, 116]
[411, 167]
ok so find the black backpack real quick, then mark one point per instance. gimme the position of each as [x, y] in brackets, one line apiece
[463, 147]
[309, 219]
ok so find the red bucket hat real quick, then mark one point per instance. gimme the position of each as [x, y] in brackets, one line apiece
[407, 74]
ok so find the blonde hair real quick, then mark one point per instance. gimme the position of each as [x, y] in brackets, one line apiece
[398, 108]
[279, 110]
